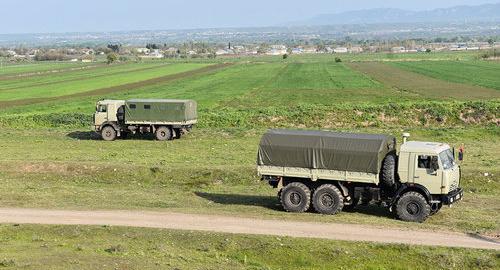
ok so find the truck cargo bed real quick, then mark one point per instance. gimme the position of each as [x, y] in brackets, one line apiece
[324, 150]
[160, 111]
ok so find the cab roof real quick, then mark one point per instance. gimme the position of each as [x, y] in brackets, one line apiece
[424, 147]
[110, 101]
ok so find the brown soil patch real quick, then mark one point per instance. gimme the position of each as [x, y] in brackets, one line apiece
[425, 86]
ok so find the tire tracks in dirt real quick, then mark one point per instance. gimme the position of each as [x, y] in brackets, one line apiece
[118, 88]
[228, 224]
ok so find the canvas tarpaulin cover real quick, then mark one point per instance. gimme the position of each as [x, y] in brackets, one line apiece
[160, 110]
[355, 152]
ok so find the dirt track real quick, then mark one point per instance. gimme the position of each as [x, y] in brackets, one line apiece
[245, 225]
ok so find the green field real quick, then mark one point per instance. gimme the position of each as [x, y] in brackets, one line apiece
[72, 75]
[106, 247]
[50, 159]
[85, 85]
[479, 73]
[42, 67]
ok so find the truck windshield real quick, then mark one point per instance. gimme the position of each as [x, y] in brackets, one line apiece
[447, 159]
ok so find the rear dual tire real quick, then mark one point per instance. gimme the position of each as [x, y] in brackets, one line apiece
[295, 197]
[328, 200]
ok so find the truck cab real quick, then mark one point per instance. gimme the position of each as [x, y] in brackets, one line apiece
[433, 166]
[106, 111]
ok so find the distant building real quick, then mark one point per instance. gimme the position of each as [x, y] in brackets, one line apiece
[340, 50]
[88, 51]
[356, 50]
[275, 52]
[220, 52]
[278, 47]
[297, 51]
[142, 50]
[398, 49]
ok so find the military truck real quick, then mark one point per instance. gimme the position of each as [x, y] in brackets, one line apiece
[166, 118]
[335, 171]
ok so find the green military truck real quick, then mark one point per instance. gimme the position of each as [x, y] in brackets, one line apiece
[166, 118]
[335, 171]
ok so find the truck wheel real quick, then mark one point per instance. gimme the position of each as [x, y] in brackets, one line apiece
[328, 200]
[388, 175]
[435, 207]
[163, 133]
[413, 207]
[296, 197]
[108, 133]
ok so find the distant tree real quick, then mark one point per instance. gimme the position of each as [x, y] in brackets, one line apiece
[112, 57]
[114, 47]
[285, 56]
[152, 46]
[491, 41]
[427, 50]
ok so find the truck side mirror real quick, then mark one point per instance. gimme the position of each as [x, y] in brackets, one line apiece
[461, 152]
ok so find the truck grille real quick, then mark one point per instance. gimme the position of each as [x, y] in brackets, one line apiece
[454, 185]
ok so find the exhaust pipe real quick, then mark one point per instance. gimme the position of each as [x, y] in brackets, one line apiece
[405, 135]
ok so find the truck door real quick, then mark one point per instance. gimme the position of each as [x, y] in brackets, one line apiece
[427, 172]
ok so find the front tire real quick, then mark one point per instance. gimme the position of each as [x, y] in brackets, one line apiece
[413, 207]
[163, 133]
[328, 200]
[108, 133]
[296, 197]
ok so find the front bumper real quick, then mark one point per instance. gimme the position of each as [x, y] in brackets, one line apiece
[453, 196]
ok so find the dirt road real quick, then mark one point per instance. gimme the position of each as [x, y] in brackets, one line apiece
[245, 225]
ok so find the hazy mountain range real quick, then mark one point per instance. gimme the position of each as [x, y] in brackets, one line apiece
[382, 23]
[483, 13]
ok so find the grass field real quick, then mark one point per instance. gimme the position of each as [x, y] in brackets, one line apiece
[425, 86]
[105, 247]
[85, 85]
[480, 73]
[72, 75]
[360, 57]
[40, 67]
[208, 172]
[50, 159]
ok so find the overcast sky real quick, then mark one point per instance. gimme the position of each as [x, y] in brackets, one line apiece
[49, 16]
